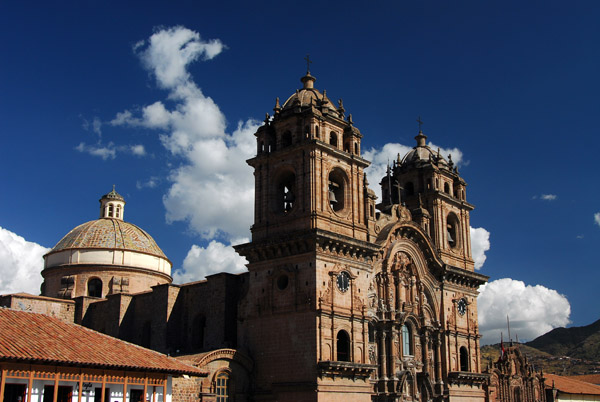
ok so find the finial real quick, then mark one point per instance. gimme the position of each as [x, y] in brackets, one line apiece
[114, 188]
[277, 107]
[450, 160]
[308, 62]
[341, 103]
[350, 119]
[420, 124]
[267, 118]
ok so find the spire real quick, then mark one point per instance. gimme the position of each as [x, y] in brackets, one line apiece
[308, 80]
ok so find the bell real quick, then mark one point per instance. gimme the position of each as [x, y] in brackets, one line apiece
[332, 199]
[450, 239]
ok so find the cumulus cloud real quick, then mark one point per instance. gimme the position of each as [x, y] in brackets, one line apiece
[597, 218]
[169, 51]
[213, 189]
[480, 243]
[533, 310]
[545, 197]
[110, 150]
[21, 263]
[203, 261]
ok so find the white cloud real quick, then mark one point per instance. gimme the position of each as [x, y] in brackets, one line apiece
[215, 258]
[21, 264]
[95, 126]
[533, 310]
[213, 190]
[152, 182]
[480, 243]
[110, 150]
[548, 197]
[104, 152]
[169, 51]
[597, 218]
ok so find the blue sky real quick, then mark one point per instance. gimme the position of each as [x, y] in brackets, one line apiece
[90, 98]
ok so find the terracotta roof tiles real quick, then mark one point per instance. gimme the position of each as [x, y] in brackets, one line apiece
[37, 338]
[570, 386]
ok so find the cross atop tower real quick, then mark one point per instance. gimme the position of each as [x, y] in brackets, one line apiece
[420, 123]
[308, 62]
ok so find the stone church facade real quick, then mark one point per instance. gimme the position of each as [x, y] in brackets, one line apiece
[345, 298]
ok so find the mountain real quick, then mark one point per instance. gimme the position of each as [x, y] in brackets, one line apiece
[579, 342]
[562, 351]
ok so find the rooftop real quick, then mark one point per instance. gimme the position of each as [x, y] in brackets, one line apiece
[37, 338]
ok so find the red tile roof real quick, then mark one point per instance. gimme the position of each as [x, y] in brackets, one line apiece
[38, 338]
[570, 386]
[591, 378]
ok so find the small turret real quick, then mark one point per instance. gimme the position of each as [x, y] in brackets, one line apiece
[112, 205]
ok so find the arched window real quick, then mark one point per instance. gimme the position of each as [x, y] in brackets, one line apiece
[464, 359]
[406, 341]
[343, 346]
[333, 139]
[452, 230]
[222, 387]
[337, 181]
[95, 287]
[110, 210]
[118, 211]
[355, 148]
[446, 188]
[316, 131]
[285, 192]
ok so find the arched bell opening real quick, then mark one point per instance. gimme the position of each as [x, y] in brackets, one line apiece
[285, 192]
[337, 190]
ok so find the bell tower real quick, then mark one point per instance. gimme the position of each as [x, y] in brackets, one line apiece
[305, 323]
[431, 188]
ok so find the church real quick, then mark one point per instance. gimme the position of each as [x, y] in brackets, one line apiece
[346, 298]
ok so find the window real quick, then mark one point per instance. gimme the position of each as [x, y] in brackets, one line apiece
[333, 139]
[282, 282]
[110, 210]
[452, 230]
[118, 211]
[14, 392]
[355, 148]
[222, 387]
[343, 346]
[464, 359]
[446, 188]
[98, 394]
[371, 333]
[406, 341]
[337, 181]
[136, 395]
[64, 394]
[95, 287]
[285, 192]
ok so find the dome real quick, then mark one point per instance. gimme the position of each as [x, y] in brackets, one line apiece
[422, 153]
[308, 96]
[113, 195]
[108, 233]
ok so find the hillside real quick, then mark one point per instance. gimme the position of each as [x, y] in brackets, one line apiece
[576, 341]
[561, 365]
[562, 351]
